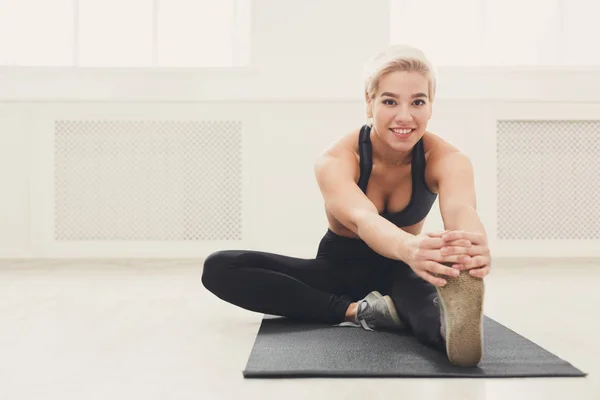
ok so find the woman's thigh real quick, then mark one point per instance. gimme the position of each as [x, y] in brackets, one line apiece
[320, 273]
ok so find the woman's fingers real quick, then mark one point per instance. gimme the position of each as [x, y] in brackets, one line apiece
[459, 242]
[437, 243]
[436, 234]
[477, 250]
[474, 237]
[440, 269]
[434, 280]
[474, 262]
[432, 243]
[480, 272]
[454, 250]
[437, 256]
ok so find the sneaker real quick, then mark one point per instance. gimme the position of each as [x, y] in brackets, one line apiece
[461, 312]
[378, 312]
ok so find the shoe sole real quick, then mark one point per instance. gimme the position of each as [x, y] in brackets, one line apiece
[392, 310]
[462, 303]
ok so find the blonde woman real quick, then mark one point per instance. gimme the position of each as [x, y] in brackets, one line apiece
[374, 267]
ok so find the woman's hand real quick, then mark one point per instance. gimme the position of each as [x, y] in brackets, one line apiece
[425, 256]
[475, 258]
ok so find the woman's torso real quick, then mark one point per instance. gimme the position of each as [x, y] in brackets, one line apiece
[391, 188]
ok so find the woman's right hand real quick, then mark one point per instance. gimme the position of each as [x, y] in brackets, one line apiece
[426, 260]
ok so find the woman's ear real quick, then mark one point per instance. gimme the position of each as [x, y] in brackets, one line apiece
[369, 102]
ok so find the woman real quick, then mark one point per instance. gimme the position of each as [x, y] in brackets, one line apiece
[374, 267]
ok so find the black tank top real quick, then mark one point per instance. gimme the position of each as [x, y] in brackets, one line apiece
[422, 198]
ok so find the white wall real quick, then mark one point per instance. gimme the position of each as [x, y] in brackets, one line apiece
[300, 93]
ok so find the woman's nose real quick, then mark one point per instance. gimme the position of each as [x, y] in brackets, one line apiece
[403, 114]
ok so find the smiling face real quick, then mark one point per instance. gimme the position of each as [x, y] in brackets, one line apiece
[400, 109]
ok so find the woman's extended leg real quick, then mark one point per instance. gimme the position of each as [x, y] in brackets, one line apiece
[417, 303]
[307, 289]
[457, 307]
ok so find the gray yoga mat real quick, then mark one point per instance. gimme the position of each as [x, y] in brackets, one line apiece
[285, 348]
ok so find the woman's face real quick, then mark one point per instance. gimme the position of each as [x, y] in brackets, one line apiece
[401, 109]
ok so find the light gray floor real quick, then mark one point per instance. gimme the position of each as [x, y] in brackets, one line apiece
[147, 329]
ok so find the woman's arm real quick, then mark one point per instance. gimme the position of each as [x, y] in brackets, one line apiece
[457, 198]
[335, 173]
[458, 206]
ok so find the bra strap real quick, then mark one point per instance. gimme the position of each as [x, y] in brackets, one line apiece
[366, 157]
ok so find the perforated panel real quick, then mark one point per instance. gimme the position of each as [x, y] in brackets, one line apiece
[148, 180]
[548, 179]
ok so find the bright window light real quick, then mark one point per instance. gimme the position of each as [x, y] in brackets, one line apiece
[115, 33]
[447, 31]
[195, 32]
[499, 32]
[522, 32]
[36, 32]
[582, 31]
[125, 33]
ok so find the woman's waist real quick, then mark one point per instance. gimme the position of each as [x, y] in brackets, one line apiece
[334, 245]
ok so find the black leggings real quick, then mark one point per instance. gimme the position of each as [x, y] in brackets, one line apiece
[321, 289]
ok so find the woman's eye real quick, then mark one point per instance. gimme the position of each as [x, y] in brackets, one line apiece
[392, 102]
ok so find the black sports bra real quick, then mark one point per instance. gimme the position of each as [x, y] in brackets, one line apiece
[422, 198]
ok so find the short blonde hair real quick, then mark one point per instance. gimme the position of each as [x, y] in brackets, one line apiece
[398, 58]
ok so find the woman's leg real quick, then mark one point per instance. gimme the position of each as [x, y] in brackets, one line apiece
[457, 307]
[307, 289]
[417, 302]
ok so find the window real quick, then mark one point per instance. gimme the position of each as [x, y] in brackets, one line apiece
[124, 33]
[499, 32]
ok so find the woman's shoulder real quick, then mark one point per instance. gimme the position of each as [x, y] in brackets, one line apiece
[341, 153]
[344, 145]
[436, 146]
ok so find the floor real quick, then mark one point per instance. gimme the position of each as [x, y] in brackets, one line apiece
[147, 329]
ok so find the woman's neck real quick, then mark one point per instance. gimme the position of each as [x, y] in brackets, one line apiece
[384, 154]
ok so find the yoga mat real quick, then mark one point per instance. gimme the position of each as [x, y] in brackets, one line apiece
[285, 348]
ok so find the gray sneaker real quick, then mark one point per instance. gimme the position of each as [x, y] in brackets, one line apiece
[378, 312]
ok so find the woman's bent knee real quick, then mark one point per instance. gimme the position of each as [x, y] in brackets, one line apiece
[216, 268]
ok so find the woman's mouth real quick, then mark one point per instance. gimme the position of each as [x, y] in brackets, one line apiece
[402, 132]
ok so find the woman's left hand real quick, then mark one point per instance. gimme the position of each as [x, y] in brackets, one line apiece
[476, 257]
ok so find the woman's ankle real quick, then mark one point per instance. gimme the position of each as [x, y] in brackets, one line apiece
[351, 313]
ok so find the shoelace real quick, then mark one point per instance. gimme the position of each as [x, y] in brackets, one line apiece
[361, 307]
